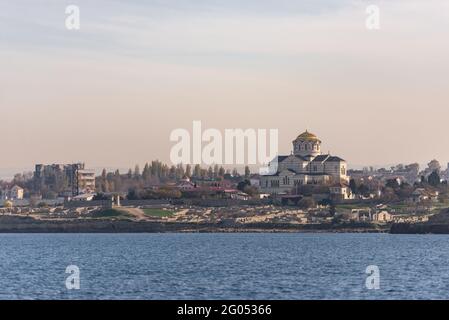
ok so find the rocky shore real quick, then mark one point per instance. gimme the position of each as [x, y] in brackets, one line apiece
[419, 228]
[14, 224]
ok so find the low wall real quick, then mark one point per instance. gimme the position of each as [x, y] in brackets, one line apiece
[220, 202]
[161, 203]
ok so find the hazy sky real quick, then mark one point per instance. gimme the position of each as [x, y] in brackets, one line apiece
[110, 93]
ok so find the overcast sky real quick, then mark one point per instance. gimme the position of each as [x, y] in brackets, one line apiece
[110, 93]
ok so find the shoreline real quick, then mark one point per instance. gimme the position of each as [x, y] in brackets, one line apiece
[10, 224]
[24, 224]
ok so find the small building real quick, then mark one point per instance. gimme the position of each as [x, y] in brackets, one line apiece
[185, 184]
[422, 194]
[382, 216]
[255, 182]
[362, 214]
[86, 181]
[15, 193]
[340, 191]
[237, 195]
[84, 197]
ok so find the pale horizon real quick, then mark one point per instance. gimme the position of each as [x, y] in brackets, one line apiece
[110, 93]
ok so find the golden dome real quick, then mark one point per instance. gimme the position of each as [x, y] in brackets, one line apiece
[307, 136]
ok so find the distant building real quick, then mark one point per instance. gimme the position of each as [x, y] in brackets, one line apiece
[404, 173]
[306, 165]
[361, 214]
[66, 179]
[340, 191]
[422, 195]
[85, 181]
[15, 193]
[185, 184]
[382, 216]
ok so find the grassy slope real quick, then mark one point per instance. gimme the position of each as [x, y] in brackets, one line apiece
[158, 212]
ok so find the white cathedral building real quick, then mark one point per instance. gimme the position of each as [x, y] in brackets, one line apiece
[306, 165]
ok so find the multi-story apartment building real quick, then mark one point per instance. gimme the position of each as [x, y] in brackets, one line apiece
[67, 179]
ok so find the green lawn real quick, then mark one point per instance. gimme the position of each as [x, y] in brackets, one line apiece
[158, 212]
[351, 206]
[110, 213]
[399, 206]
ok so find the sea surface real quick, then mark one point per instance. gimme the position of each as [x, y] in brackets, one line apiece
[224, 266]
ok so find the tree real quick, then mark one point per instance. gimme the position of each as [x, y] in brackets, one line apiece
[179, 171]
[42, 205]
[103, 174]
[251, 190]
[434, 165]
[216, 171]
[104, 183]
[247, 172]
[210, 173]
[353, 186]
[7, 204]
[434, 179]
[389, 195]
[306, 203]
[332, 210]
[197, 171]
[243, 184]
[133, 194]
[146, 173]
[172, 172]
[392, 183]
[136, 172]
[188, 172]
[203, 173]
[100, 196]
[363, 190]
[405, 191]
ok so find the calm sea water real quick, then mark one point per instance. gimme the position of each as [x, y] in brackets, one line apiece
[224, 266]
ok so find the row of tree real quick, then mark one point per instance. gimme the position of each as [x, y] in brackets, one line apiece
[156, 173]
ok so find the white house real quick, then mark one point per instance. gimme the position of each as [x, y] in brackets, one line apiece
[382, 216]
[15, 193]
